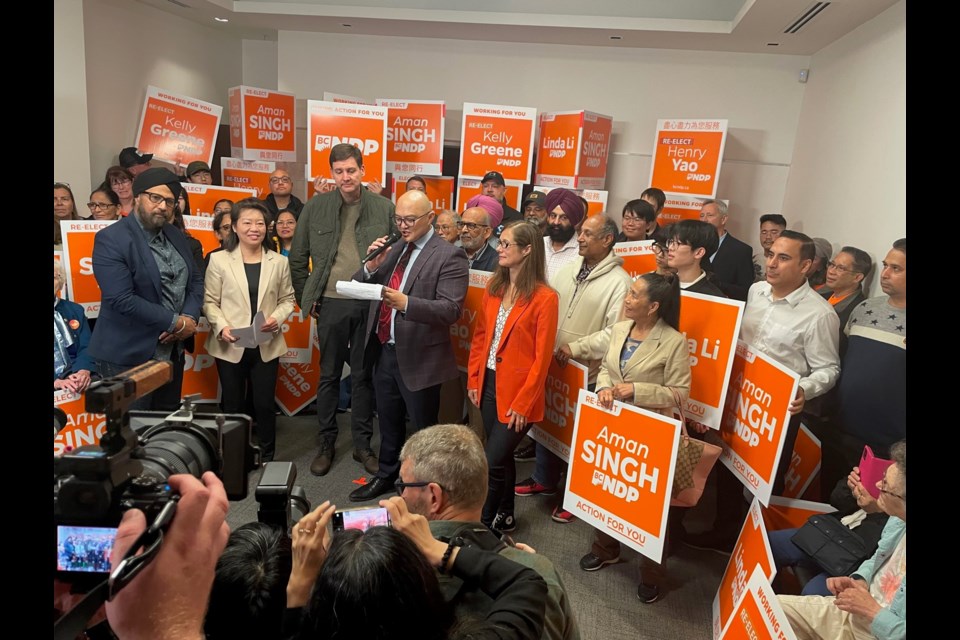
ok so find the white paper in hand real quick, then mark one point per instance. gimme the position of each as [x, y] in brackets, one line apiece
[359, 290]
[252, 336]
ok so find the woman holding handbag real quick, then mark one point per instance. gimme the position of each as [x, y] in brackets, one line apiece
[509, 360]
[647, 365]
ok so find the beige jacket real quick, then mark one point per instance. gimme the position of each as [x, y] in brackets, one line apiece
[660, 363]
[585, 318]
[226, 301]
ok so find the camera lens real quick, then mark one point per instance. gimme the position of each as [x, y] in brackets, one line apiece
[168, 451]
[299, 505]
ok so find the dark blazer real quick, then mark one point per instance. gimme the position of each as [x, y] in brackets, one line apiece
[733, 266]
[132, 316]
[80, 329]
[436, 286]
[488, 260]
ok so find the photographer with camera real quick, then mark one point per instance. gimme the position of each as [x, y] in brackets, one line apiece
[168, 599]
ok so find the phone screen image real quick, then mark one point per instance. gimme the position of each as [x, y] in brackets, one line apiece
[85, 549]
[361, 519]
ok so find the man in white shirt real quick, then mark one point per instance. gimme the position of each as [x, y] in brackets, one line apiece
[564, 214]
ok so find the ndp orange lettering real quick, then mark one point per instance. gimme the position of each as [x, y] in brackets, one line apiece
[558, 149]
[415, 132]
[751, 550]
[687, 155]
[678, 207]
[176, 128]
[262, 124]
[555, 432]
[638, 257]
[461, 331]
[804, 463]
[755, 416]
[594, 150]
[82, 428]
[200, 368]
[439, 190]
[297, 383]
[330, 124]
[711, 326]
[497, 138]
[621, 472]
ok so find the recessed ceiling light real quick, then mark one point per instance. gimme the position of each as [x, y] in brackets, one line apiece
[773, 44]
[222, 19]
[616, 37]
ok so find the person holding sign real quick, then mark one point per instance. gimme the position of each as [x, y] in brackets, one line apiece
[638, 216]
[247, 278]
[646, 363]
[509, 360]
[872, 602]
[64, 208]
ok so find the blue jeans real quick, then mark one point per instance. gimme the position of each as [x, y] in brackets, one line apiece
[787, 554]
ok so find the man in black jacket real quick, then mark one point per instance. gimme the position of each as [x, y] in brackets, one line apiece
[733, 261]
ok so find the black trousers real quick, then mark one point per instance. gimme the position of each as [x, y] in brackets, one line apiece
[262, 377]
[394, 402]
[341, 333]
[501, 441]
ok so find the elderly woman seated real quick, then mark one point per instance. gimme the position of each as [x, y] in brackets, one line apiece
[871, 602]
[71, 335]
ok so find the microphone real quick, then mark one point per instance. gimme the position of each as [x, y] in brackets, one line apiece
[391, 239]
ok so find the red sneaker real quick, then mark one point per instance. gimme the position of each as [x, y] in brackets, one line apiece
[562, 515]
[531, 487]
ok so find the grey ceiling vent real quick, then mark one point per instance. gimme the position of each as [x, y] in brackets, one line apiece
[803, 19]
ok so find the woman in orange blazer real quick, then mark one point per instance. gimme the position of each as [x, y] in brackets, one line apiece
[247, 277]
[509, 359]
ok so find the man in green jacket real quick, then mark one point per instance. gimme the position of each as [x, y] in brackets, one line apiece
[333, 233]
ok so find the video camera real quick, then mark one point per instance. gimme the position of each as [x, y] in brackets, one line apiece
[280, 502]
[94, 484]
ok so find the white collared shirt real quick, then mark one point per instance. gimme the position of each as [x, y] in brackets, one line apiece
[560, 257]
[800, 331]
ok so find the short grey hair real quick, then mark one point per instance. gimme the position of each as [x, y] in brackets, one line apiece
[721, 205]
[452, 456]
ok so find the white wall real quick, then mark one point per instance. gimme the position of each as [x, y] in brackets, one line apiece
[759, 94]
[260, 64]
[130, 45]
[848, 179]
[71, 160]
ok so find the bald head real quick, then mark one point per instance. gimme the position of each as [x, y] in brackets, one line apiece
[413, 215]
[475, 229]
[413, 203]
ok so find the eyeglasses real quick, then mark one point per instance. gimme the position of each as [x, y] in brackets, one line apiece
[631, 219]
[286, 223]
[443, 228]
[472, 226]
[840, 268]
[409, 222]
[120, 181]
[504, 244]
[282, 180]
[674, 244]
[156, 198]
[99, 206]
[883, 489]
[657, 249]
[400, 486]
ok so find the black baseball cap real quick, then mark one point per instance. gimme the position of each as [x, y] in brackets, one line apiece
[129, 157]
[535, 197]
[496, 176]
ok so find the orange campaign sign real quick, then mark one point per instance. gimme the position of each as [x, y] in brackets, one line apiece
[758, 614]
[345, 99]
[298, 331]
[201, 228]
[638, 257]
[596, 200]
[497, 138]
[439, 190]
[200, 368]
[204, 196]
[621, 472]
[82, 428]
[297, 383]
[247, 174]
[363, 126]
[572, 149]
[677, 208]
[82, 287]
[751, 550]
[804, 464]
[415, 135]
[687, 155]
[789, 513]
[461, 331]
[755, 417]
[176, 128]
[711, 326]
[468, 187]
[555, 432]
[262, 124]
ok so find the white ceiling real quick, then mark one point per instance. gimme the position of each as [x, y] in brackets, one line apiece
[749, 26]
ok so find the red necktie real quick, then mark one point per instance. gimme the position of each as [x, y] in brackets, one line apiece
[386, 313]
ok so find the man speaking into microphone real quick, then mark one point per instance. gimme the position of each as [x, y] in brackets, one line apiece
[424, 282]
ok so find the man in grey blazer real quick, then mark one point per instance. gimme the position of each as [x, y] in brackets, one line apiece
[408, 331]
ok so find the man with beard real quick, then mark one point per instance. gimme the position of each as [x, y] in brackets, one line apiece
[564, 213]
[152, 290]
[482, 215]
[535, 209]
[494, 186]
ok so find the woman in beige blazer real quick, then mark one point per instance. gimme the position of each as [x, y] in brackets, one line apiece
[247, 277]
[647, 361]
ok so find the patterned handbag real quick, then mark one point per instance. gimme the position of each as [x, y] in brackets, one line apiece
[695, 459]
